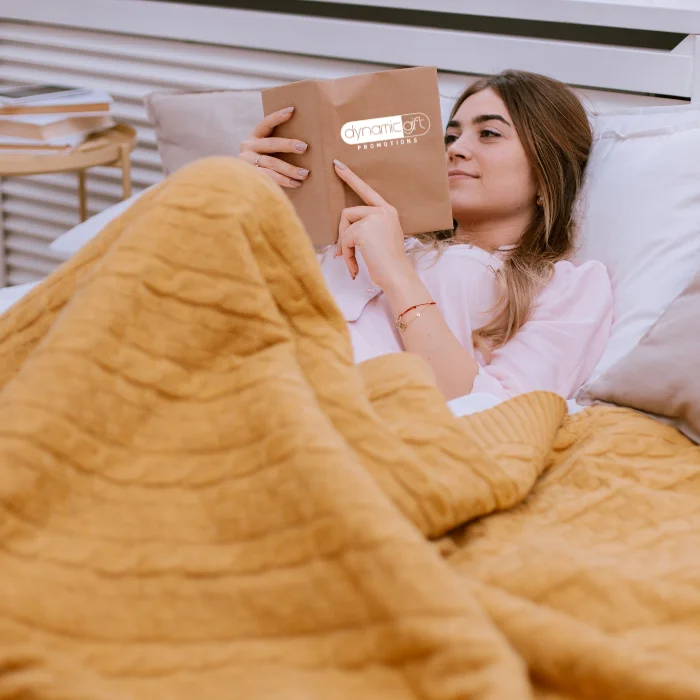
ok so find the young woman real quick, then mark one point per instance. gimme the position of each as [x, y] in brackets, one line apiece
[495, 305]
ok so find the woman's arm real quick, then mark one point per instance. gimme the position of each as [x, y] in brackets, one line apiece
[376, 231]
[555, 350]
[428, 335]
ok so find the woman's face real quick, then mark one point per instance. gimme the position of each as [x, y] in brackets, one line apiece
[490, 178]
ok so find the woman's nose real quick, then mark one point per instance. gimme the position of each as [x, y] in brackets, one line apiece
[459, 149]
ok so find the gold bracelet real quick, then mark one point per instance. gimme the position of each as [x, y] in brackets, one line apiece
[401, 324]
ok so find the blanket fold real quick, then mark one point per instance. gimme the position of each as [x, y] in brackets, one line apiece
[202, 496]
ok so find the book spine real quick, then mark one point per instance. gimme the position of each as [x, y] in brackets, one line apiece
[48, 132]
[329, 126]
[20, 130]
[324, 116]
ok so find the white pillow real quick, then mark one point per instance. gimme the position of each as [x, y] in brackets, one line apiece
[72, 241]
[11, 295]
[640, 215]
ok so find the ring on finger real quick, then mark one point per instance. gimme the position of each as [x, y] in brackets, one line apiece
[257, 160]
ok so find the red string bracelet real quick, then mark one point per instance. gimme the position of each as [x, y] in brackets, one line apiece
[400, 324]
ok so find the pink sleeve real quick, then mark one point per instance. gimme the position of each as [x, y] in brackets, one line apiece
[557, 349]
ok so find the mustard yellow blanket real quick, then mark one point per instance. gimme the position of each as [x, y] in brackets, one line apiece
[202, 497]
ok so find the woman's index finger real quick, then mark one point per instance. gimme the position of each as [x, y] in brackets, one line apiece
[359, 186]
[264, 128]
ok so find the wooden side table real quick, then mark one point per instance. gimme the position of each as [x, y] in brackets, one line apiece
[111, 148]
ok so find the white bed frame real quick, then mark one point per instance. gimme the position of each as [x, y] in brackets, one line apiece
[131, 47]
[673, 73]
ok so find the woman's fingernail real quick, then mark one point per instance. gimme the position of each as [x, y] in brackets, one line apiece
[338, 164]
[295, 183]
[301, 146]
[303, 172]
[287, 110]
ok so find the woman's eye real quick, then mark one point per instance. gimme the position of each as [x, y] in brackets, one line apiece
[488, 132]
[450, 138]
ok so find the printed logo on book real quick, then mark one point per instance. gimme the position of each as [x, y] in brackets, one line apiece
[385, 132]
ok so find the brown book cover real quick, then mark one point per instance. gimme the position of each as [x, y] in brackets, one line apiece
[386, 127]
[31, 146]
[17, 110]
[57, 129]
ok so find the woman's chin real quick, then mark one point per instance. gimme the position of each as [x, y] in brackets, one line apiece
[461, 201]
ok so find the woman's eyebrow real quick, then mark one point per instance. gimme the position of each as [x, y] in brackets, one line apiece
[481, 118]
[453, 124]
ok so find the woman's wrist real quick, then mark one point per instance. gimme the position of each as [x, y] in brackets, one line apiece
[398, 277]
[403, 288]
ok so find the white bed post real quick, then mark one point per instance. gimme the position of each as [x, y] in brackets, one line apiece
[695, 88]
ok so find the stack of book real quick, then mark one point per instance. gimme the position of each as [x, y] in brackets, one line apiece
[50, 118]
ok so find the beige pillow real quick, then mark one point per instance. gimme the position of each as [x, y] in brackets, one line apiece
[193, 125]
[661, 375]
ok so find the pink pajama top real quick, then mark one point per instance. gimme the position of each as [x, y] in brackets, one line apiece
[555, 350]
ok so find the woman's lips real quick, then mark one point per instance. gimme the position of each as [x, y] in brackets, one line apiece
[459, 173]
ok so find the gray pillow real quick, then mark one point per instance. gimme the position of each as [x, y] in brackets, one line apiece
[193, 125]
[661, 375]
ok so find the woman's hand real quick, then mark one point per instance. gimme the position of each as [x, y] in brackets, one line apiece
[257, 147]
[375, 230]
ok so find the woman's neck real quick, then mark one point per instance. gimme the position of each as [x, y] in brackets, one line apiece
[490, 235]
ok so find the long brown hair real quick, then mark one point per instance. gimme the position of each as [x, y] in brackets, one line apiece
[554, 130]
